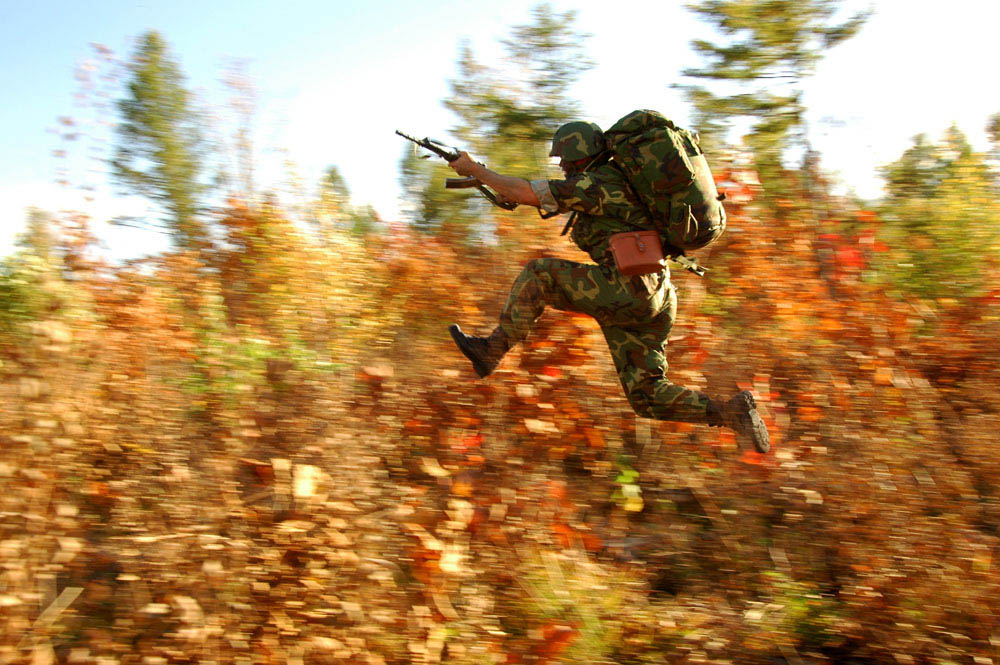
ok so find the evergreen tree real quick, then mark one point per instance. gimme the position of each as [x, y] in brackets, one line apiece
[530, 101]
[993, 129]
[334, 186]
[756, 68]
[158, 147]
[939, 215]
[335, 211]
[506, 115]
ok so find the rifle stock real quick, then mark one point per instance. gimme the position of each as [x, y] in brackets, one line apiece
[461, 183]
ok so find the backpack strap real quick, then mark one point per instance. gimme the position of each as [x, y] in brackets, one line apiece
[569, 223]
[674, 253]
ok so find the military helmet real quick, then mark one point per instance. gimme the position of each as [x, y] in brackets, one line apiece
[577, 140]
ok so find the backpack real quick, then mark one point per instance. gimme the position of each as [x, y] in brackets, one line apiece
[669, 173]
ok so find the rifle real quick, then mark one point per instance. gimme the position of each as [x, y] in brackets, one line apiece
[449, 155]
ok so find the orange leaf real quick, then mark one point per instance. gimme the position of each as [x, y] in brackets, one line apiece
[554, 372]
[461, 488]
[564, 534]
[557, 638]
[594, 437]
[472, 441]
[727, 439]
[591, 542]
[809, 414]
[883, 376]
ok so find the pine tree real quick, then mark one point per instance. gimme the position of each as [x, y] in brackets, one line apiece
[993, 129]
[939, 219]
[335, 211]
[530, 101]
[766, 49]
[506, 115]
[158, 147]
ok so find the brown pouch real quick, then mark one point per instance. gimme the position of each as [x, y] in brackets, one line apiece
[637, 252]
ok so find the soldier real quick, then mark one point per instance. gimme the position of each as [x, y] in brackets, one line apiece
[635, 313]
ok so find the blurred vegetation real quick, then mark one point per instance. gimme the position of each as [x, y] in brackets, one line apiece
[506, 117]
[264, 449]
[939, 219]
[159, 144]
[755, 70]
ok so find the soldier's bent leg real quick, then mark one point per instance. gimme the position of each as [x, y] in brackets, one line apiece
[642, 366]
[557, 283]
[560, 284]
[538, 285]
[638, 352]
[535, 288]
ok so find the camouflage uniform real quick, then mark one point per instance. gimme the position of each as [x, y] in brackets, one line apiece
[635, 313]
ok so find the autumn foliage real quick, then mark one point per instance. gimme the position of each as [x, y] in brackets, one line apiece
[270, 452]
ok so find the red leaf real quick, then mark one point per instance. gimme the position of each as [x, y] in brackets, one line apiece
[554, 372]
[472, 441]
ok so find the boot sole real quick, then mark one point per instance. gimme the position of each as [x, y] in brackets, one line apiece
[752, 425]
[456, 334]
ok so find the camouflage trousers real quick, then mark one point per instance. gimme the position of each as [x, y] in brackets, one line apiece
[635, 314]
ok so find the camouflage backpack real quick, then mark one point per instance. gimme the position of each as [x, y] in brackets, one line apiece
[670, 174]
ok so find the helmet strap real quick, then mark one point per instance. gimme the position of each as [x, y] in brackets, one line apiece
[581, 165]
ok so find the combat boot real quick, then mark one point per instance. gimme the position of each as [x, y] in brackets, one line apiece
[484, 352]
[740, 414]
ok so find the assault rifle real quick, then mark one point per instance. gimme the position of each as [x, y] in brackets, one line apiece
[449, 155]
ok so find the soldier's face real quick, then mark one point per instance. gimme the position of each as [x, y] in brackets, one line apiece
[565, 164]
[572, 167]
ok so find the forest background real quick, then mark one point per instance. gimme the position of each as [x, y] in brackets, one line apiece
[258, 445]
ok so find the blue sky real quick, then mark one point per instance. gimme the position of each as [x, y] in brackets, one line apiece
[334, 79]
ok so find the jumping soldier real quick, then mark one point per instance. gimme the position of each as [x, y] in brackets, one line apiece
[635, 313]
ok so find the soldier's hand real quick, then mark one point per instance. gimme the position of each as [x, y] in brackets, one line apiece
[464, 165]
[505, 201]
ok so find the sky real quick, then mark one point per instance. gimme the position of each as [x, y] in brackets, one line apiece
[334, 79]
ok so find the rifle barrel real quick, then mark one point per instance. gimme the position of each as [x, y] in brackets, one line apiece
[443, 152]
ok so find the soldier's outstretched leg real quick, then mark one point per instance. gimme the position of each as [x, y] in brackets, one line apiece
[534, 289]
[638, 352]
[641, 361]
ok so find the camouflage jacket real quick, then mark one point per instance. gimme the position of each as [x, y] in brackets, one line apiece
[604, 203]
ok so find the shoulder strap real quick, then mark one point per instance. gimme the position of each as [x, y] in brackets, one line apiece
[674, 253]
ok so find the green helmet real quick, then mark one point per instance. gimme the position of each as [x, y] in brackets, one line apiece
[577, 140]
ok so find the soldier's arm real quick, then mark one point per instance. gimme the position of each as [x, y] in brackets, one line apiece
[583, 192]
[513, 189]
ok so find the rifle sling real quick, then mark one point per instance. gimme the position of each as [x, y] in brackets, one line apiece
[569, 222]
